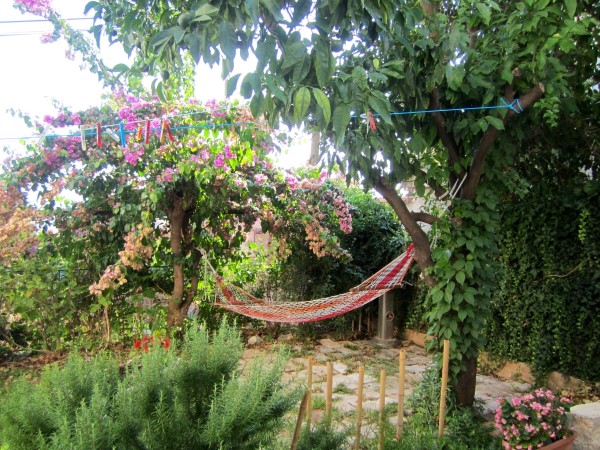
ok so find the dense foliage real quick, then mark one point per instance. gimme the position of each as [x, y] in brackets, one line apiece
[192, 398]
[546, 310]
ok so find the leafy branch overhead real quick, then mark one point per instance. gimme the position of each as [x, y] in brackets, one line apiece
[328, 62]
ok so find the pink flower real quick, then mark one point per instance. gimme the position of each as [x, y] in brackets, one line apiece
[228, 153]
[219, 161]
[36, 7]
[260, 179]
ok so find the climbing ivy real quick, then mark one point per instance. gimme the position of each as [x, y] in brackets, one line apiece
[546, 309]
[456, 309]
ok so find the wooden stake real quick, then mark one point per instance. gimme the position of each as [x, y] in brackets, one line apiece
[299, 420]
[309, 387]
[328, 400]
[381, 408]
[445, 360]
[401, 377]
[359, 400]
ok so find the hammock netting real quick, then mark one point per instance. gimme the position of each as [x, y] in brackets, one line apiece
[390, 277]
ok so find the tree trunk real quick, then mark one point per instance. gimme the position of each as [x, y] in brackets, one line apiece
[181, 298]
[313, 160]
[175, 313]
[465, 383]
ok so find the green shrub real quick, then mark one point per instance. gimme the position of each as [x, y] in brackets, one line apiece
[323, 437]
[424, 400]
[192, 399]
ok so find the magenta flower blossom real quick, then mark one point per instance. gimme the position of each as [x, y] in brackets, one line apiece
[260, 179]
[36, 7]
[219, 161]
[228, 153]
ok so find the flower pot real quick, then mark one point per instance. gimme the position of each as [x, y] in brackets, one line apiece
[561, 444]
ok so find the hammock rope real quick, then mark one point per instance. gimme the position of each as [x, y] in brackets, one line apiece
[235, 299]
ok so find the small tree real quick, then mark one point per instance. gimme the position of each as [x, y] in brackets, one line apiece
[190, 178]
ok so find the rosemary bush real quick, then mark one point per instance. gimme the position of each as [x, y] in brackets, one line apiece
[191, 398]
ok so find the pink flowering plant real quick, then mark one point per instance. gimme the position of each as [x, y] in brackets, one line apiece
[533, 420]
[180, 178]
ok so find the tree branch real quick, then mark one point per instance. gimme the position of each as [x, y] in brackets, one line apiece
[424, 217]
[478, 162]
[419, 237]
[440, 124]
[438, 190]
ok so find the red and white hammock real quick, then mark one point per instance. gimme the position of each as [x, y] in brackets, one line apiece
[237, 300]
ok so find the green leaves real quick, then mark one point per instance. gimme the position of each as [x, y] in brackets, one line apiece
[455, 75]
[274, 8]
[341, 119]
[301, 104]
[324, 66]
[231, 85]
[323, 103]
[484, 11]
[162, 37]
[228, 39]
[497, 123]
[571, 6]
[381, 105]
[294, 54]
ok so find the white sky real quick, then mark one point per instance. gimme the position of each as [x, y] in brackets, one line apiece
[34, 74]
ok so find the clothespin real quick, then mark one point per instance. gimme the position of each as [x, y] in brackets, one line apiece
[83, 143]
[166, 128]
[147, 141]
[43, 135]
[138, 136]
[372, 124]
[122, 134]
[113, 135]
[99, 135]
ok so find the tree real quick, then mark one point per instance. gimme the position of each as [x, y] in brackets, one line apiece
[178, 180]
[327, 62]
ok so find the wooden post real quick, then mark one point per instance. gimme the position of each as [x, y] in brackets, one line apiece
[401, 377]
[299, 420]
[445, 361]
[309, 387]
[359, 400]
[359, 322]
[381, 408]
[329, 395]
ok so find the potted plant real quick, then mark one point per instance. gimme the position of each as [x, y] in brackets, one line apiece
[535, 420]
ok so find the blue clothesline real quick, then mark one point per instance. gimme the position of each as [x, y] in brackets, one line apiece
[514, 106]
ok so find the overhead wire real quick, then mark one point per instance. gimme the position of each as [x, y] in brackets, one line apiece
[515, 106]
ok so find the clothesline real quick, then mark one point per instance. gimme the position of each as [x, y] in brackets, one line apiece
[97, 130]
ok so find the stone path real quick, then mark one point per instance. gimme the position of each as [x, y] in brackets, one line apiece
[348, 356]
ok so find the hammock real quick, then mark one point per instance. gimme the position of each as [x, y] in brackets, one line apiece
[237, 300]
